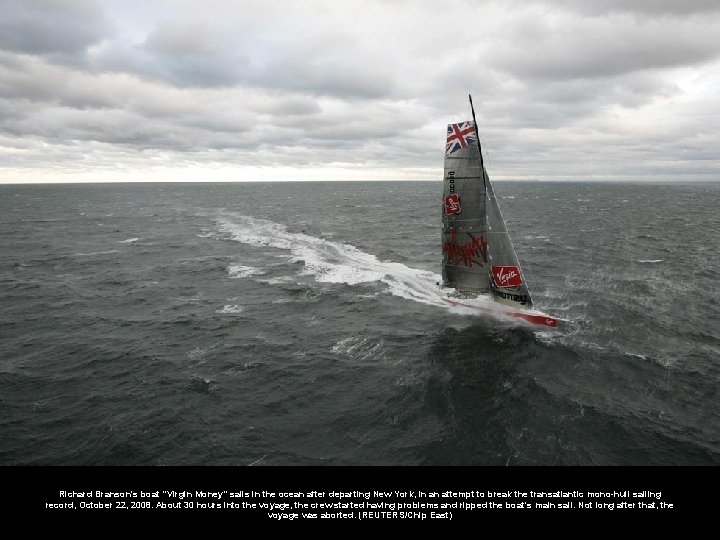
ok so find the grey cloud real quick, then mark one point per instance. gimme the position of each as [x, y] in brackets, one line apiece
[203, 53]
[554, 104]
[587, 49]
[194, 55]
[126, 129]
[290, 106]
[182, 70]
[335, 76]
[118, 128]
[51, 27]
[645, 7]
[33, 79]
[557, 90]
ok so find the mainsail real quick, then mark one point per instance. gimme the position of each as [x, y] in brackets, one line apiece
[478, 255]
[464, 243]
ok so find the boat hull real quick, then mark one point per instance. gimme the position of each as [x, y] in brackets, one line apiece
[536, 318]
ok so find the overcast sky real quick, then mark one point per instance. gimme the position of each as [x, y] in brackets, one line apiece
[148, 90]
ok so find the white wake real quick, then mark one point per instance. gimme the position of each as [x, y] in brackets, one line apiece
[333, 262]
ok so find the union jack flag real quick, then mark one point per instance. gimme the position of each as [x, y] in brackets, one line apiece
[459, 136]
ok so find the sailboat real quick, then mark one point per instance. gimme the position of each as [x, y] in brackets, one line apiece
[479, 259]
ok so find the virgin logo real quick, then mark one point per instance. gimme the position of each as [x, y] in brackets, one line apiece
[452, 204]
[506, 276]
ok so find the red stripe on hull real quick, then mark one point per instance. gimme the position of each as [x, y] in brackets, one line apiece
[543, 320]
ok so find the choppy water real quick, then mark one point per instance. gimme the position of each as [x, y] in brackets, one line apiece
[296, 323]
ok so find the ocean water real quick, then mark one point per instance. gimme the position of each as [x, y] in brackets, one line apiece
[298, 324]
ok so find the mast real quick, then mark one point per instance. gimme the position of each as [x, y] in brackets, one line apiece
[477, 136]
